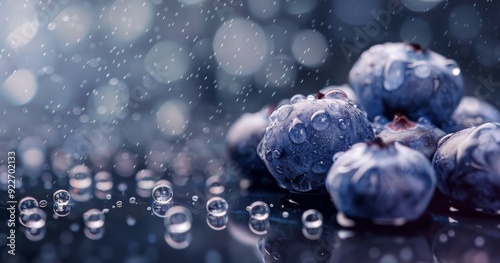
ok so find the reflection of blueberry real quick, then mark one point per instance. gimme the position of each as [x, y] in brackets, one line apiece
[244, 136]
[467, 165]
[303, 136]
[387, 183]
[404, 78]
[421, 136]
[471, 112]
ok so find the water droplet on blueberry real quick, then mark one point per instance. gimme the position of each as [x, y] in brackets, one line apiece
[297, 132]
[320, 120]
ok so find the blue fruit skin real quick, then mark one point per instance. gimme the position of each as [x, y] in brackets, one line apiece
[383, 183]
[243, 137]
[467, 165]
[471, 112]
[298, 148]
[421, 136]
[403, 78]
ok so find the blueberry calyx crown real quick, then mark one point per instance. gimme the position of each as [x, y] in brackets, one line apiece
[416, 47]
[401, 123]
[332, 94]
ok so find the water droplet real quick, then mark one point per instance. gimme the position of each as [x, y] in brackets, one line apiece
[34, 219]
[310, 98]
[301, 183]
[178, 220]
[132, 200]
[93, 218]
[276, 154]
[259, 227]
[80, 177]
[269, 155]
[162, 193]
[335, 107]
[179, 241]
[217, 222]
[259, 210]
[269, 133]
[279, 169]
[194, 198]
[108, 196]
[43, 203]
[27, 203]
[320, 120]
[342, 124]
[61, 210]
[160, 210]
[283, 112]
[394, 75]
[297, 98]
[217, 206]
[103, 181]
[312, 219]
[319, 167]
[119, 204]
[61, 197]
[297, 132]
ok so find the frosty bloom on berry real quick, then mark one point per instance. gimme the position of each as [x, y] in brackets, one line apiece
[467, 165]
[471, 112]
[303, 136]
[405, 78]
[386, 183]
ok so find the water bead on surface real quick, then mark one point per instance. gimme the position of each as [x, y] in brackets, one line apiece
[259, 210]
[132, 200]
[178, 220]
[61, 197]
[43, 203]
[93, 218]
[297, 131]
[162, 193]
[217, 222]
[312, 219]
[34, 219]
[217, 206]
[160, 210]
[61, 210]
[28, 203]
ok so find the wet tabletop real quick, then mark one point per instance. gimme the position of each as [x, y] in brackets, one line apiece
[114, 117]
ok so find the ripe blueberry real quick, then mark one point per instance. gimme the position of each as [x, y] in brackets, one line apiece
[303, 136]
[467, 165]
[386, 183]
[404, 78]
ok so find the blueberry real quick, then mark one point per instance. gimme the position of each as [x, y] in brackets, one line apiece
[386, 183]
[467, 165]
[421, 136]
[404, 78]
[244, 136]
[303, 136]
[471, 112]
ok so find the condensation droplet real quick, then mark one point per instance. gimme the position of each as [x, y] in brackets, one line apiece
[259, 210]
[320, 120]
[217, 206]
[297, 132]
[162, 193]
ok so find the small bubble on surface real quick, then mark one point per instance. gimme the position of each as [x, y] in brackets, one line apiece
[162, 193]
[259, 210]
[217, 206]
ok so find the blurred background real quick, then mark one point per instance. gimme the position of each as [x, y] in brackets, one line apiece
[130, 87]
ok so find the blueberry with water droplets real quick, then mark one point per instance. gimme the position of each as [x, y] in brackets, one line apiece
[244, 136]
[304, 136]
[471, 112]
[467, 165]
[405, 78]
[386, 183]
[421, 136]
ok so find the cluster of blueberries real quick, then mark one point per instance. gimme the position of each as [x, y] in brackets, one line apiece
[341, 140]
